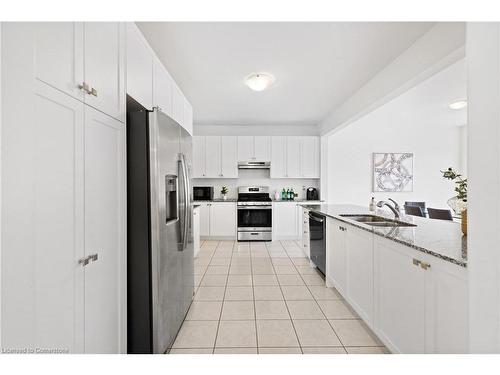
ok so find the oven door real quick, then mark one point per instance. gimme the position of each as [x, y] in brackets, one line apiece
[255, 218]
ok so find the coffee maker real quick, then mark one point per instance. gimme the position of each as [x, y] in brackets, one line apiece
[312, 194]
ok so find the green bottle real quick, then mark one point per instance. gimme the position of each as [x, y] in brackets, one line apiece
[283, 194]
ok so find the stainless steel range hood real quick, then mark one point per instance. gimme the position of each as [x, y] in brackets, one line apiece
[254, 165]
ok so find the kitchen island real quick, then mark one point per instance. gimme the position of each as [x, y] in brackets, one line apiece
[408, 283]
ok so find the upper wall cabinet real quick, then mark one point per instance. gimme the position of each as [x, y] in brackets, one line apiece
[215, 157]
[254, 148]
[84, 60]
[295, 157]
[177, 104]
[162, 88]
[139, 67]
[105, 67]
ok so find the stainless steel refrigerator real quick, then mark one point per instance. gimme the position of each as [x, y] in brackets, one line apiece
[160, 237]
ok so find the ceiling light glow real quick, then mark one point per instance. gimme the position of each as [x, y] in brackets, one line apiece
[459, 104]
[259, 81]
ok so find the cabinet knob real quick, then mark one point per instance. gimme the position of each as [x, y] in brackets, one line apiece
[424, 265]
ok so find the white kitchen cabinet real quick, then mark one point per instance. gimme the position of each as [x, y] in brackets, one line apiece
[199, 170]
[139, 67]
[309, 157]
[223, 219]
[177, 104]
[58, 54]
[285, 221]
[278, 157]
[188, 117]
[359, 251]
[293, 157]
[212, 157]
[246, 148]
[262, 148]
[105, 280]
[196, 231]
[304, 225]
[229, 155]
[205, 219]
[162, 88]
[336, 256]
[104, 67]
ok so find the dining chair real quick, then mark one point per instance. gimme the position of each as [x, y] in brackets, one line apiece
[414, 211]
[436, 213]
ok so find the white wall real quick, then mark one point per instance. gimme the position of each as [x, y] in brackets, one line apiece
[255, 130]
[257, 177]
[483, 56]
[418, 121]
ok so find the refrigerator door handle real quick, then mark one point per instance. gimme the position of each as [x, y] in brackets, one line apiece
[186, 201]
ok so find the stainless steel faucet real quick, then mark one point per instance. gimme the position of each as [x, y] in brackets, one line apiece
[394, 209]
[396, 205]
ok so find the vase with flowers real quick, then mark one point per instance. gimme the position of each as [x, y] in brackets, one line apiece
[458, 203]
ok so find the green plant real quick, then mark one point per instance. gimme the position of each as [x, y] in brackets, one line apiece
[460, 183]
[224, 190]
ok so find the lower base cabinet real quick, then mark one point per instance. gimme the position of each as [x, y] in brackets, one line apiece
[414, 302]
[218, 220]
[285, 221]
[196, 231]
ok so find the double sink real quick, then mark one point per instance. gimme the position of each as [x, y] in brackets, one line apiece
[376, 221]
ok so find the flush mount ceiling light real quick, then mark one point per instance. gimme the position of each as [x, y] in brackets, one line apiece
[459, 104]
[259, 81]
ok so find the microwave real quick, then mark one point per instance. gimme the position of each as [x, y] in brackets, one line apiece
[203, 193]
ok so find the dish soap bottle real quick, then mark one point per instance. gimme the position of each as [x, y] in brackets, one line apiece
[372, 206]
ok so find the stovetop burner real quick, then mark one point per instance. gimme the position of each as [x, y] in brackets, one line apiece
[253, 194]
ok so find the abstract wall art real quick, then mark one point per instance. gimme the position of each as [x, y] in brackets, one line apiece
[392, 172]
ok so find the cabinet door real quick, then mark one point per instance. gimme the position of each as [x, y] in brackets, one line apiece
[212, 156]
[293, 157]
[359, 249]
[139, 67]
[162, 88]
[262, 148]
[196, 231]
[304, 224]
[399, 298]
[188, 116]
[199, 157]
[205, 219]
[105, 67]
[105, 278]
[223, 219]
[58, 55]
[229, 156]
[285, 221]
[278, 157]
[336, 255]
[309, 157]
[246, 148]
[177, 104]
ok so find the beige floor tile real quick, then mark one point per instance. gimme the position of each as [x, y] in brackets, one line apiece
[301, 261]
[240, 270]
[241, 255]
[296, 292]
[196, 334]
[204, 310]
[271, 310]
[236, 334]
[220, 261]
[323, 293]
[267, 293]
[199, 270]
[274, 246]
[265, 280]
[315, 333]
[304, 310]
[282, 262]
[239, 293]
[238, 310]
[354, 333]
[241, 261]
[337, 309]
[223, 254]
[324, 350]
[258, 246]
[285, 270]
[239, 280]
[278, 255]
[192, 351]
[313, 280]
[214, 280]
[202, 261]
[217, 270]
[276, 333]
[280, 351]
[259, 254]
[197, 280]
[367, 350]
[307, 270]
[235, 351]
[263, 270]
[209, 293]
[290, 280]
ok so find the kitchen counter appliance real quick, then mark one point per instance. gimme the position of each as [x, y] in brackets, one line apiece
[254, 214]
[317, 240]
[312, 194]
[203, 193]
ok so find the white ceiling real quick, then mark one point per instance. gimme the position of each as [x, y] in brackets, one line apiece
[317, 65]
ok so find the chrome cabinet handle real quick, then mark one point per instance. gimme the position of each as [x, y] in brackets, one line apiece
[424, 265]
[416, 262]
[93, 92]
[83, 261]
[85, 87]
[93, 257]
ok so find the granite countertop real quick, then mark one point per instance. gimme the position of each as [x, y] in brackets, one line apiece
[439, 238]
[296, 201]
[217, 200]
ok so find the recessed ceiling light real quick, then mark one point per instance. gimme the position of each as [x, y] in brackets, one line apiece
[259, 81]
[459, 104]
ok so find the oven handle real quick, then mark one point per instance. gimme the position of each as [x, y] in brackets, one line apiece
[316, 219]
[254, 207]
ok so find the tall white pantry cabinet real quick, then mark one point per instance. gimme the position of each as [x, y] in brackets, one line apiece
[63, 229]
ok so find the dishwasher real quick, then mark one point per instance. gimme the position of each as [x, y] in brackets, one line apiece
[317, 240]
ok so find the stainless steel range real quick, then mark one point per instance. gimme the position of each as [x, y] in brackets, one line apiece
[254, 214]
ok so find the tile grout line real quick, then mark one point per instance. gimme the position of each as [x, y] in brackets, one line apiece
[253, 295]
[223, 297]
